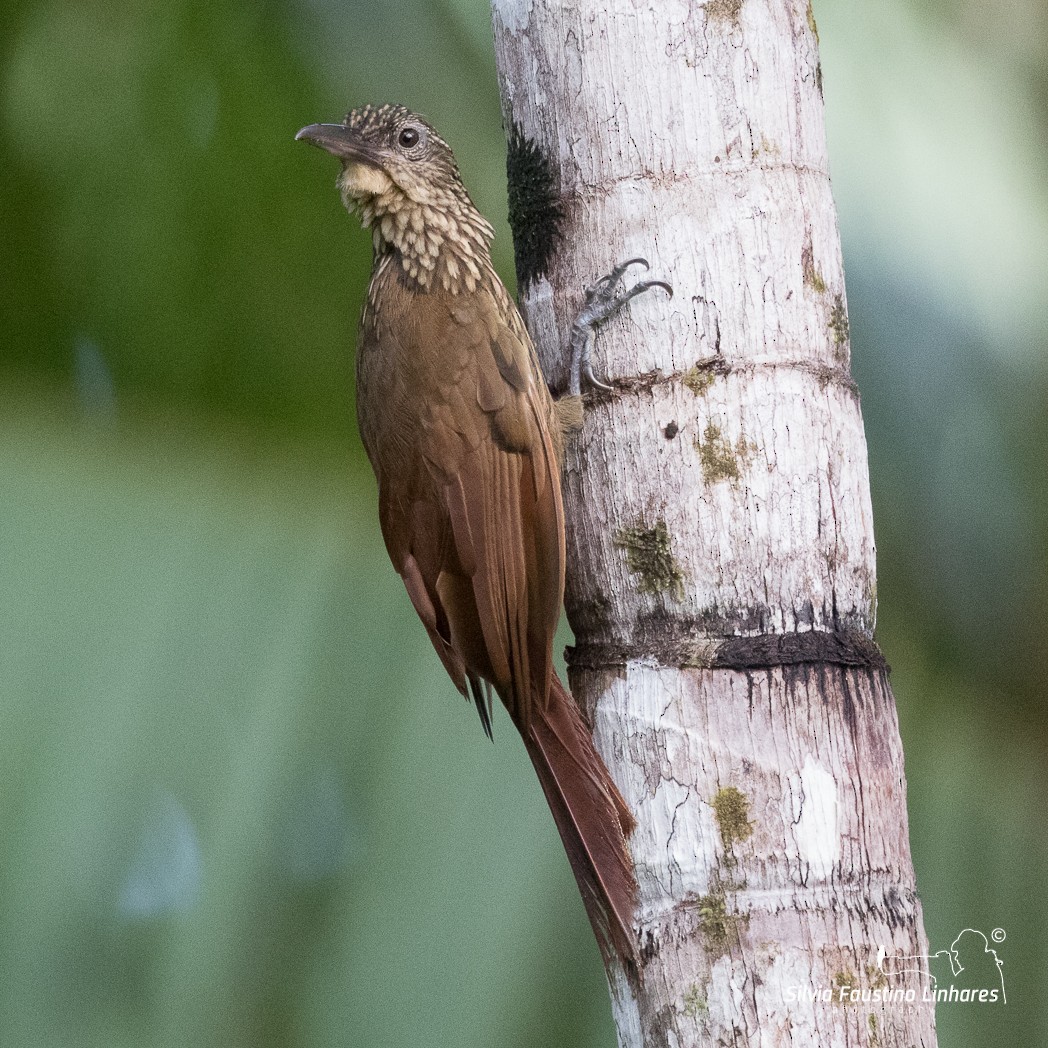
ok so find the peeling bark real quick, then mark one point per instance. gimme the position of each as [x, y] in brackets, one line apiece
[722, 581]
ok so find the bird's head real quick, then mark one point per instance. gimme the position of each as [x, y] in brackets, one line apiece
[401, 178]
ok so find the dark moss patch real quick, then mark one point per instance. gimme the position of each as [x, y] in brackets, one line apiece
[648, 554]
[536, 214]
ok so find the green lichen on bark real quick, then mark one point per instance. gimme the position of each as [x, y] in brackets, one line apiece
[812, 277]
[875, 1039]
[720, 459]
[698, 379]
[843, 983]
[839, 327]
[720, 927]
[732, 813]
[877, 978]
[649, 555]
[695, 1005]
[811, 22]
[724, 10]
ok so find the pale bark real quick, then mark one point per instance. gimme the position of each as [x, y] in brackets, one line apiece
[720, 540]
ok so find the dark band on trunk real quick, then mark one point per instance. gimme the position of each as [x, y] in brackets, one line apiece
[766, 651]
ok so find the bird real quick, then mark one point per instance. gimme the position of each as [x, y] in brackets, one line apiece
[467, 445]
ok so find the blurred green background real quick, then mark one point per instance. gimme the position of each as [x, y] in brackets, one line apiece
[240, 804]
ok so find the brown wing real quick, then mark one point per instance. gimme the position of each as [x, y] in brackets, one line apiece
[469, 488]
[460, 429]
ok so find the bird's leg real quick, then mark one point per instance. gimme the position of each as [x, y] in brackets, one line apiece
[603, 300]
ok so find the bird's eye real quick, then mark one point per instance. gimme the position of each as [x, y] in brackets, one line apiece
[408, 137]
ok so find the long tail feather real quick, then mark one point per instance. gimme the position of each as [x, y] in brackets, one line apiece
[592, 818]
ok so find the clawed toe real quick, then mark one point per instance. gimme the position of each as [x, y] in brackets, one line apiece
[591, 379]
[638, 288]
[605, 287]
[603, 300]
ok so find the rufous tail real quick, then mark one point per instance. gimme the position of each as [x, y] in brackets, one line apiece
[593, 820]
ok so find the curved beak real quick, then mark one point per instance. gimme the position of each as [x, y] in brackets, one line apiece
[336, 139]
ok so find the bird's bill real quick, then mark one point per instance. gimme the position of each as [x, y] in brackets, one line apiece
[338, 140]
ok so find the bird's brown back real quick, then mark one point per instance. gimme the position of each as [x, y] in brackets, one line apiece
[461, 432]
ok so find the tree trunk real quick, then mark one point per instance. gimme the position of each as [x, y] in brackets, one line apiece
[721, 580]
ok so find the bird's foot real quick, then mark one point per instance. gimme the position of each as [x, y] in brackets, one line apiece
[603, 300]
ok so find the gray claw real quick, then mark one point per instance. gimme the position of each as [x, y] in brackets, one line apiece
[587, 374]
[652, 283]
[602, 302]
[605, 287]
